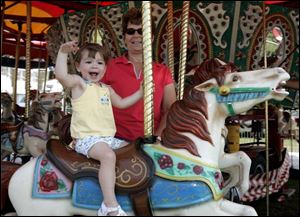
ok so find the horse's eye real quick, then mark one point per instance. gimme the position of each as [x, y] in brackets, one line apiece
[235, 78]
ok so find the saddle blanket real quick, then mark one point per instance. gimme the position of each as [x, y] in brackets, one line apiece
[163, 194]
[177, 167]
[49, 182]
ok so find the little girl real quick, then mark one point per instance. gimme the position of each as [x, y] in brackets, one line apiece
[92, 124]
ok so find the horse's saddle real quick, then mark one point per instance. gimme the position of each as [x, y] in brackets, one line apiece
[9, 135]
[11, 127]
[134, 169]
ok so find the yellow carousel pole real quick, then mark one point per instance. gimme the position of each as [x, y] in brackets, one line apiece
[183, 48]
[28, 58]
[170, 38]
[17, 57]
[266, 113]
[96, 23]
[147, 64]
[46, 72]
[2, 24]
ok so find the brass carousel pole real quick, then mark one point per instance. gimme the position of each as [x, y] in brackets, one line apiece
[96, 23]
[17, 57]
[39, 68]
[147, 64]
[46, 72]
[183, 48]
[28, 58]
[170, 38]
[266, 113]
[2, 24]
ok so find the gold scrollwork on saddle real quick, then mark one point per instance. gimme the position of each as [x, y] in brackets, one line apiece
[133, 175]
[133, 168]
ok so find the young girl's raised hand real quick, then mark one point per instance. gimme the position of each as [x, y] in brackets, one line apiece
[71, 46]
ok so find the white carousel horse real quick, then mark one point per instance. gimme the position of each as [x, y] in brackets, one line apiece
[42, 124]
[192, 144]
[31, 137]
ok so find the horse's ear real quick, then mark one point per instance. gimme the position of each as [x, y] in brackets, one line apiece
[206, 86]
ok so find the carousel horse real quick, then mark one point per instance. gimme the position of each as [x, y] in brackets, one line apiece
[7, 114]
[287, 125]
[30, 137]
[190, 156]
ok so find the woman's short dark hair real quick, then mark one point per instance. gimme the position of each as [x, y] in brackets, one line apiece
[92, 49]
[134, 16]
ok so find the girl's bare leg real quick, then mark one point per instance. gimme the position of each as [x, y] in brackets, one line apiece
[107, 174]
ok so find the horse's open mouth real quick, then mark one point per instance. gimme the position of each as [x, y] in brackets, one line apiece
[279, 88]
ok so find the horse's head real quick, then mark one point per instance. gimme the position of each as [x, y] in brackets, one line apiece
[240, 91]
[45, 110]
[218, 91]
[6, 100]
[50, 101]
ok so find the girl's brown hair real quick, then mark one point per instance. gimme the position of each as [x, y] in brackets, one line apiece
[92, 49]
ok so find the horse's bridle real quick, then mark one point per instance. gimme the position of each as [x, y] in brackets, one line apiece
[227, 95]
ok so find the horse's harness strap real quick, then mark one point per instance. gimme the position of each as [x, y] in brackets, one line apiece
[35, 132]
[228, 95]
[230, 109]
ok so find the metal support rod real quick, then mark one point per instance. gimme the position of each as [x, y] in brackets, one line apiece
[266, 112]
[96, 23]
[183, 48]
[46, 72]
[17, 58]
[170, 38]
[28, 58]
[147, 65]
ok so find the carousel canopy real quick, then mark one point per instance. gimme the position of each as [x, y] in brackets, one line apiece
[43, 15]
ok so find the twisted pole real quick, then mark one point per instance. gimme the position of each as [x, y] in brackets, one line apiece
[17, 58]
[28, 58]
[266, 112]
[183, 48]
[96, 23]
[147, 64]
[170, 38]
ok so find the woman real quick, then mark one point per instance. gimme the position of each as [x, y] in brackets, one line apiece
[125, 73]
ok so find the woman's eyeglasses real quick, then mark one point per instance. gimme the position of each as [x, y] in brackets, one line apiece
[131, 31]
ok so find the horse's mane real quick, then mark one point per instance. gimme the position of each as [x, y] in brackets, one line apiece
[35, 115]
[213, 68]
[63, 126]
[190, 114]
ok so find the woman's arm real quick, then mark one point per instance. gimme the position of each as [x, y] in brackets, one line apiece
[61, 65]
[168, 99]
[122, 103]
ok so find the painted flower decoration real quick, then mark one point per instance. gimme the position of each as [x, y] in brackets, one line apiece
[181, 166]
[49, 182]
[219, 180]
[44, 162]
[197, 169]
[165, 161]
